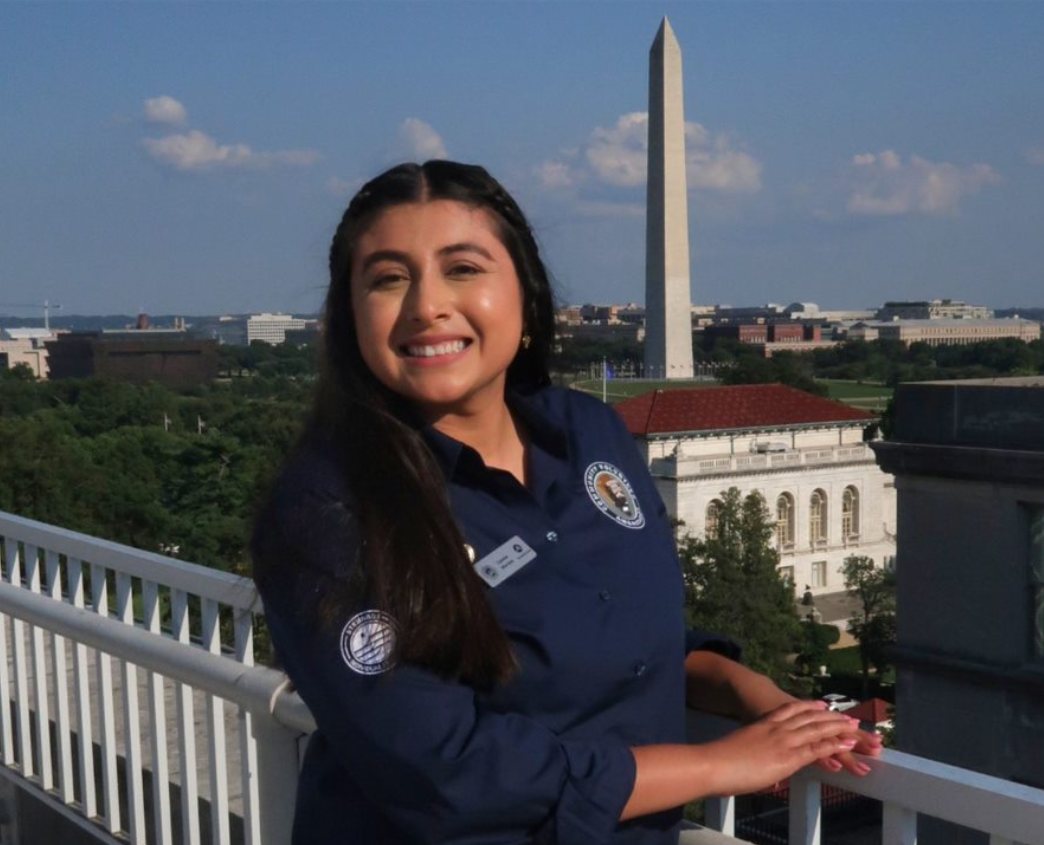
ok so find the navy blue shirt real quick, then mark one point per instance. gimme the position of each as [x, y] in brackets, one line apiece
[583, 575]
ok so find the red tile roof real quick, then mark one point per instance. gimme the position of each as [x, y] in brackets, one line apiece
[742, 406]
[874, 710]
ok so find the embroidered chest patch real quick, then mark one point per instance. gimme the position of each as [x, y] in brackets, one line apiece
[613, 495]
[367, 642]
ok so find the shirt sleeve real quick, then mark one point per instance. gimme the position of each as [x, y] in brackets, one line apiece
[699, 640]
[428, 753]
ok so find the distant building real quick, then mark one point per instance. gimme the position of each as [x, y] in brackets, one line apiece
[946, 332]
[804, 454]
[25, 347]
[173, 359]
[773, 337]
[810, 311]
[228, 330]
[934, 309]
[968, 457]
[749, 314]
[271, 328]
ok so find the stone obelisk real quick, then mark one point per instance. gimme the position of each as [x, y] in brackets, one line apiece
[668, 320]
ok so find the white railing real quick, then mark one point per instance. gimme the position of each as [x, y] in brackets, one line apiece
[105, 644]
[908, 786]
[683, 465]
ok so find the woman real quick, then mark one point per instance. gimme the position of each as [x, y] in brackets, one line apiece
[492, 647]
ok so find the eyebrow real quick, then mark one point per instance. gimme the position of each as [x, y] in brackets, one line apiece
[465, 247]
[396, 255]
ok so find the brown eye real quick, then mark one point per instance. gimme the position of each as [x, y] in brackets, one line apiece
[464, 270]
[388, 279]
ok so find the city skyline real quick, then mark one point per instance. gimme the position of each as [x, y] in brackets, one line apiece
[195, 158]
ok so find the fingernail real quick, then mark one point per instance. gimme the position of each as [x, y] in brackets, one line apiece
[862, 768]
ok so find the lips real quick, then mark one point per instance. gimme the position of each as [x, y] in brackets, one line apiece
[435, 350]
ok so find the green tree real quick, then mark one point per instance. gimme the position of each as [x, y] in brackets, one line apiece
[733, 584]
[814, 646]
[874, 625]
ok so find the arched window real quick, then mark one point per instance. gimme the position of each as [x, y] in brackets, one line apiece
[850, 514]
[785, 521]
[710, 524]
[817, 518]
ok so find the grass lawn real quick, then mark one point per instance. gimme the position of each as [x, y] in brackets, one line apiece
[617, 390]
[865, 395]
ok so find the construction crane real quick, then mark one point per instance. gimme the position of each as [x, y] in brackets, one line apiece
[46, 306]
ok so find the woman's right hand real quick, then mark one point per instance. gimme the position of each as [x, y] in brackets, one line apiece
[754, 757]
[771, 749]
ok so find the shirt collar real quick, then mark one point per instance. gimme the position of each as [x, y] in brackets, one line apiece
[546, 432]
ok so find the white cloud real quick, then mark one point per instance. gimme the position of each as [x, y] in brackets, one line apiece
[883, 184]
[618, 156]
[1035, 155]
[712, 164]
[165, 109]
[343, 187]
[419, 141]
[196, 151]
[553, 174]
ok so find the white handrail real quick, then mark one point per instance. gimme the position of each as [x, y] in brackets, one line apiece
[232, 590]
[78, 632]
[259, 689]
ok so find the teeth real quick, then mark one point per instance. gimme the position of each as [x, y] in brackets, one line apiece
[447, 348]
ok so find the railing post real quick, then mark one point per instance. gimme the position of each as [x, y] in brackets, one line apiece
[720, 814]
[898, 825]
[805, 816]
[278, 764]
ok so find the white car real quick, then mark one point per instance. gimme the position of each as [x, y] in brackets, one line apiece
[838, 702]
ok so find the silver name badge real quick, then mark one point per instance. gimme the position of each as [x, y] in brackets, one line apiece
[504, 561]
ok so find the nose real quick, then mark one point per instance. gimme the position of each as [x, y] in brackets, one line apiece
[429, 299]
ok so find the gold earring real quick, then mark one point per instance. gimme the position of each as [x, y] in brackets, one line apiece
[526, 340]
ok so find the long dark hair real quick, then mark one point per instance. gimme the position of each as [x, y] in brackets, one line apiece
[412, 552]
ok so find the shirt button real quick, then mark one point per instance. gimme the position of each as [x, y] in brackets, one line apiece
[639, 669]
[552, 536]
[605, 595]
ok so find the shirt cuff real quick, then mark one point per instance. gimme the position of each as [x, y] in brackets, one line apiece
[599, 784]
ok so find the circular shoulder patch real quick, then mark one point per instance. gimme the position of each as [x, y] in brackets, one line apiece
[367, 642]
[613, 495]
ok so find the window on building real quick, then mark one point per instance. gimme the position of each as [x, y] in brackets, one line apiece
[710, 525]
[850, 514]
[786, 575]
[817, 518]
[1036, 568]
[785, 521]
[819, 573]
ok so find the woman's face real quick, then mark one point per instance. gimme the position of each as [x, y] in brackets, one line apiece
[437, 305]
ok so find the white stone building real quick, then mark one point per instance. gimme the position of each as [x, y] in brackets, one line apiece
[271, 328]
[804, 454]
[947, 332]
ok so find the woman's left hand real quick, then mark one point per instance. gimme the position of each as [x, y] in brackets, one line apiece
[868, 743]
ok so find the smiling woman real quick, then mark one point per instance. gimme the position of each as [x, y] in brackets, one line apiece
[469, 575]
[438, 307]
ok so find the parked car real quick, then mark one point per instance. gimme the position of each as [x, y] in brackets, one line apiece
[839, 702]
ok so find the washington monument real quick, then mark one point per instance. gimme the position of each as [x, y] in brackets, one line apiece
[668, 320]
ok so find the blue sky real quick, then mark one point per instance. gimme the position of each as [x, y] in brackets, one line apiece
[195, 157]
